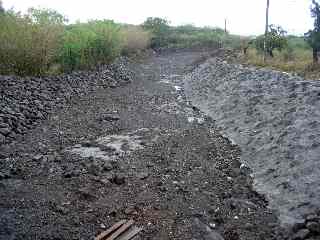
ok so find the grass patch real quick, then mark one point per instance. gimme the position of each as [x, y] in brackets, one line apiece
[295, 58]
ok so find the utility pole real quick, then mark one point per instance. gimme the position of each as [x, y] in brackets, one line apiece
[266, 32]
[225, 25]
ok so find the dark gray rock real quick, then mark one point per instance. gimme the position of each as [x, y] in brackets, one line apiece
[314, 227]
[5, 131]
[2, 139]
[205, 232]
[28, 100]
[4, 125]
[109, 117]
[301, 235]
[119, 179]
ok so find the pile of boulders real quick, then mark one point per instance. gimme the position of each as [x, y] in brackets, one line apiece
[26, 100]
[309, 228]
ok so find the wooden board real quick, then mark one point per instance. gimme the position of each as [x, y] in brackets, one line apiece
[122, 229]
[104, 234]
[130, 234]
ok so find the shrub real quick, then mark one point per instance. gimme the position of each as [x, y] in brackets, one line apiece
[275, 40]
[29, 43]
[88, 44]
[188, 36]
[135, 39]
[159, 28]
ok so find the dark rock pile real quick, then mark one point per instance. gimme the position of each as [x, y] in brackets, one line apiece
[309, 228]
[25, 101]
[274, 118]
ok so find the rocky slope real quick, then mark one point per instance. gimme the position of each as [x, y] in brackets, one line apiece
[25, 101]
[275, 119]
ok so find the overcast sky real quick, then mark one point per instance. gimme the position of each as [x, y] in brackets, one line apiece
[245, 17]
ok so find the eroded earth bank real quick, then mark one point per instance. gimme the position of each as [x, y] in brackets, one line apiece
[135, 150]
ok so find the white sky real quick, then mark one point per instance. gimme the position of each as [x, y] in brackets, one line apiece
[245, 17]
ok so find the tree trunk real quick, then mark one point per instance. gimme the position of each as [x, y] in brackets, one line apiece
[315, 56]
[266, 32]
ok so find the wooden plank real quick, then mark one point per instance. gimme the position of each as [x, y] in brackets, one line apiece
[110, 230]
[130, 234]
[122, 229]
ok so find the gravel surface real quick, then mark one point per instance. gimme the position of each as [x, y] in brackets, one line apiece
[275, 119]
[140, 151]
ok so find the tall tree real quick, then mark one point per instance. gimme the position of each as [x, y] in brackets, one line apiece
[313, 36]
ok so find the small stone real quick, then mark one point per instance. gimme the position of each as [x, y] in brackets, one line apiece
[102, 226]
[4, 125]
[4, 176]
[70, 174]
[212, 225]
[86, 194]
[109, 117]
[314, 217]
[249, 226]
[5, 131]
[301, 235]
[314, 227]
[143, 175]
[38, 157]
[2, 139]
[130, 211]
[87, 144]
[298, 226]
[62, 210]
[119, 179]
[107, 166]
[207, 232]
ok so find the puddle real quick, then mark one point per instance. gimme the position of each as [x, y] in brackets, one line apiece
[113, 145]
[195, 119]
[87, 152]
[122, 143]
[178, 88]
[165, 81]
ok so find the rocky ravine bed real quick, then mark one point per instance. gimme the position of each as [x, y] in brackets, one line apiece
[275, 119]
[139, 151]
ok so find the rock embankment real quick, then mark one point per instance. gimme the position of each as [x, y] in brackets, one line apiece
[275, 118]
[25, 101]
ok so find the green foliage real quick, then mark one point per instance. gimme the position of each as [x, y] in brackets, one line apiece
[159, 28]
[28, 47]
[295, 42]
[185, 36]
[88, 44]
[313, 36]
[275, 39]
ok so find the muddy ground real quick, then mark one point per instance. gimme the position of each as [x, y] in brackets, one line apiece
[139, 151]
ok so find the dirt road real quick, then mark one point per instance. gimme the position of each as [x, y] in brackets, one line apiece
[139, 151]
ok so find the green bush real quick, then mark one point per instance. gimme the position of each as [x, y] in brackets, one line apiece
[275, 40]
[159, 28]
[89, 44]
[33, 43]
[29, 43]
